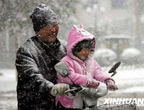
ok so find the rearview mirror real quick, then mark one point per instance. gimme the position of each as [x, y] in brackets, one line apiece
[62, 69]
[113, 69]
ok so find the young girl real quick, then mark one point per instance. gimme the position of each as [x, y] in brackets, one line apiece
[84, 70]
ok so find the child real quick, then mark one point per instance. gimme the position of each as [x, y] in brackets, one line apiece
[83, 69]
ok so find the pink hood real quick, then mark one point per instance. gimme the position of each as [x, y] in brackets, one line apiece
[76, 35]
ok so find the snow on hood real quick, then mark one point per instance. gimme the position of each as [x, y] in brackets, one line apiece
[77, 35]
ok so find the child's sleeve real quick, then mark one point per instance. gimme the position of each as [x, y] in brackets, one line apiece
[99, 74]
[76, 77]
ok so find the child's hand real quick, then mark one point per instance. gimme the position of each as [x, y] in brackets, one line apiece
[111, 85]
[92, 83]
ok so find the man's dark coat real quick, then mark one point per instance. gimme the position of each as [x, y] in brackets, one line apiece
[35, 62]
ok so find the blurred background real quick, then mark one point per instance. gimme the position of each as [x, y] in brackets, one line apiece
[117, 24]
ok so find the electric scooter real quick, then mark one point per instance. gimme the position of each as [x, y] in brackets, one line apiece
[90, 99]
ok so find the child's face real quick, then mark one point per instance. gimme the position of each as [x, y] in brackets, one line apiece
[83, 54]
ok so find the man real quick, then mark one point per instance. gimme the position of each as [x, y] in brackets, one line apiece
[35, 62]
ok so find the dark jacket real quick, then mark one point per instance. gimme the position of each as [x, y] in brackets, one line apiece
[35, 62]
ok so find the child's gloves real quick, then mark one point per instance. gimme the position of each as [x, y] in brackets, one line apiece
[92, 83]
[111, 85]
[59, 89]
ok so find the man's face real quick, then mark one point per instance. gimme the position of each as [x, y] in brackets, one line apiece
[49, 33]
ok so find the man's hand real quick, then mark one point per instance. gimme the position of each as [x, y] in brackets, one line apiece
[59, 89]
[111, 85]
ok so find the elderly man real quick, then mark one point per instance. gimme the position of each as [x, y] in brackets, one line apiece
[35, 62]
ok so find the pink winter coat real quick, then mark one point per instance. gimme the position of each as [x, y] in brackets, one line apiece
[79, 70]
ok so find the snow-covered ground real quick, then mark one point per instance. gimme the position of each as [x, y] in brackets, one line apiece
[7, 80]
[8, 90]
[130, 82]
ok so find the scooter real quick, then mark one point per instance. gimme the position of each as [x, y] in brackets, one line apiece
[74, 89]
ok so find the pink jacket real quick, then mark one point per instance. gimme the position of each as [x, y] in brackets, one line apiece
[79, 70]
